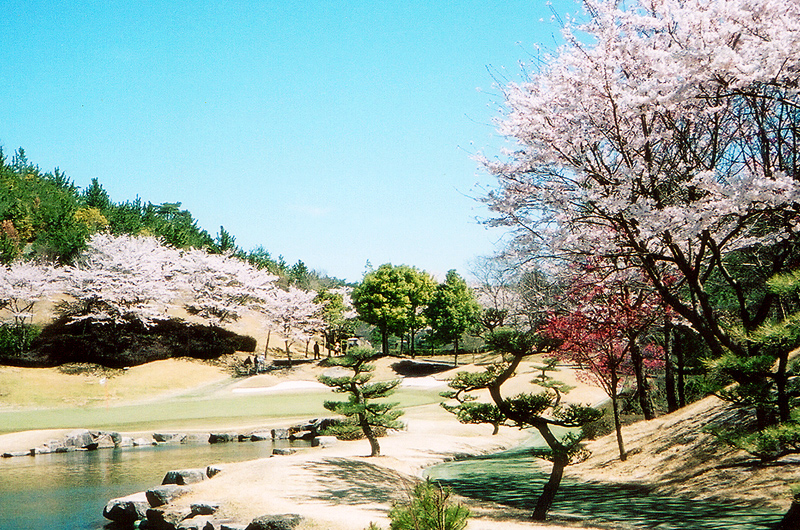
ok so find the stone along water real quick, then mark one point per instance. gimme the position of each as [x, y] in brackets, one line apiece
[69, 490]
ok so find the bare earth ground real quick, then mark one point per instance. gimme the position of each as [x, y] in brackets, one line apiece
[339, 488]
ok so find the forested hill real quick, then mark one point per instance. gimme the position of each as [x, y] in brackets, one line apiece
[44, 215]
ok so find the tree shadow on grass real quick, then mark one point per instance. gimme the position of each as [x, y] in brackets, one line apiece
[354, 482]
[510, 478]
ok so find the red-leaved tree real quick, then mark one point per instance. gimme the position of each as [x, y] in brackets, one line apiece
[610, 312]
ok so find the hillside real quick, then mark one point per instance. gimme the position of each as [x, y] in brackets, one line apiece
[675, 456]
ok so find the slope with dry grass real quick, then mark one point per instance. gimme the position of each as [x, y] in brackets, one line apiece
[677, 456]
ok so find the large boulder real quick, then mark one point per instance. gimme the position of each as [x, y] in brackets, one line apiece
[275, 522]
[165, 494]
[80, 439]
[198, 522]
[183, 477]
[204, 508]
[127, 510]
[166, 518]
[222, 437]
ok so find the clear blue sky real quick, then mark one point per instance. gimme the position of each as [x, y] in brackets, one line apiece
[333, 132]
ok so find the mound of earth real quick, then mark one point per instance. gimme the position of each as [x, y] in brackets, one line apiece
[128, 344]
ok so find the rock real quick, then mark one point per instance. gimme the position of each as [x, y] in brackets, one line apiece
[11, 454]
[80, 438]
[280, 434]
[302, 435]
[66, 449]
[324, 441]
[260, 436]
[169, 437]
[55, 445]
[232, 526]
[196, 438]
[112, 437]
[283, 451]
[182, 477]
[104, 441]
[127, 509]
[211, 471]
[165, 494]
[204, 508]
[222, 437]
[126, 441]
[274, 522]
[202, 522]
[168, 518]
[138, 442]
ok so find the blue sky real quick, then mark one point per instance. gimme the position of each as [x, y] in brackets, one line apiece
[333, 132]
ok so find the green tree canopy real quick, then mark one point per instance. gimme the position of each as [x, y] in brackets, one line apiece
[389, 298]
[453, 310]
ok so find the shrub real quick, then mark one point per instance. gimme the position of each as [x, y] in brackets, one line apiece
[430, 508]
[16, 339]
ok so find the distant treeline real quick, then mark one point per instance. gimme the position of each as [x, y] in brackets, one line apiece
[44, 215]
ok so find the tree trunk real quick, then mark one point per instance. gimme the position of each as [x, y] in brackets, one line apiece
[385, 340]
[549, 492]
[618, 427]
[681, 369]
[266, 347]
[791, 521]
[455, 352]
[784, 408]
[288, 354]
[496, 428]
[641, 380]
[370, 434]
[669, 373]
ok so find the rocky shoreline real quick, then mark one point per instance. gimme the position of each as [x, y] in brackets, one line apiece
[92, 440]
[151, 509]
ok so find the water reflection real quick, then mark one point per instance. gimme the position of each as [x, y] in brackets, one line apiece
[69, 490]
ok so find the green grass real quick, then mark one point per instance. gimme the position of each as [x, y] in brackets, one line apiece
[192, 413]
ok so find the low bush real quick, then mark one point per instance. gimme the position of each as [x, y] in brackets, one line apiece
[429, 508]
[15, 339]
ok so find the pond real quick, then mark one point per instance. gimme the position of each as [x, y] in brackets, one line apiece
[69, 490]
[509, 478]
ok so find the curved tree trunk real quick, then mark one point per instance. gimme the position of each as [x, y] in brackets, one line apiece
[370, 434]
[549, 492]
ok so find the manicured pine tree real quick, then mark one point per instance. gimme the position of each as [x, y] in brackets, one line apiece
[361, 404]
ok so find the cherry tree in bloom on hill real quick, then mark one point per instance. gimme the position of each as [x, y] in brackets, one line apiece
[669, 140]
[221, 286]
[22, 285]
[119, 277]
[295, 315]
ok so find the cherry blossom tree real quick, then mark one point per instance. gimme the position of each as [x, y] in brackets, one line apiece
[295, 315]
[23, 284]
[670, 139]
[122, 277]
